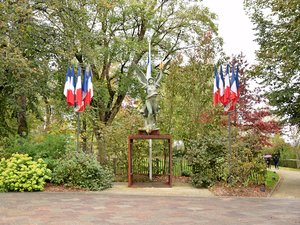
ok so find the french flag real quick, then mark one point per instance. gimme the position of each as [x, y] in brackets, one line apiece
[221, 86]
[90, 92]
[234, 91]
[237, 81]
[216, 88]
[78, 89]
[84, 91]
[69, 88]
[227, 87]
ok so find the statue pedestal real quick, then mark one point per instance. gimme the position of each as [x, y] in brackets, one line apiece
[143, 135]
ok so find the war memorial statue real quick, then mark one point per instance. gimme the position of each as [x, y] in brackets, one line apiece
[150, 108]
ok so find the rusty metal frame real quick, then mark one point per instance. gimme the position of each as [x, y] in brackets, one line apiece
[146, 137]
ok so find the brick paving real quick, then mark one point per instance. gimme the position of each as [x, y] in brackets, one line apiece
[181, 204]
[113, 208]
[289, 186]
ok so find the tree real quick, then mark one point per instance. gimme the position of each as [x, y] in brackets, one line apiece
[255, 121]
[111, 36]
[278, 27]
[23, 62]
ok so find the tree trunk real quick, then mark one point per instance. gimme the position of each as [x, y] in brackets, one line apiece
[84, 135]
[21, 116]
[48, 113]
[101, 153]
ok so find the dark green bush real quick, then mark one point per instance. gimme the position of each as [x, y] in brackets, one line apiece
[291, 163]
[206, 156]
[82, 170]
[48, 147]
[186, 173]
[20, 173]
[247, 166]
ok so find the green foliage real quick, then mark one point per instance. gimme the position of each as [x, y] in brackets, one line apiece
[246, 164]
[21, 173]
[186, 109]
[277, 28]
[48, 147]
[80, 169]
[281, 148]
[288, 163]
[186, 173]
[271, 179]
[206, 156]
[24, 65]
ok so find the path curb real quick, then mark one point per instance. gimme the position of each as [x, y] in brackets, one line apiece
[276, 186]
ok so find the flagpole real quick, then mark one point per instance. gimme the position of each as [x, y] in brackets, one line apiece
[78, 131]
[229, 148]
[150, 159]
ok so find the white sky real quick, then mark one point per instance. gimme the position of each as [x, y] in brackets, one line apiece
[234, 27]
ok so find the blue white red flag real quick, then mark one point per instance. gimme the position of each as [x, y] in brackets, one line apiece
[78, 90]
[227, 87]
[216, 88]
[84, 91]
[90, 91]
[221, 86]
[234, 92]
[237, 81]
[69, 88]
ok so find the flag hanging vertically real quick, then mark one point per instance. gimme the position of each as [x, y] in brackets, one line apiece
[84, 91]
[234, 92]
[237, 81]
[90, 91]
[216, 87]
[67, 83]
[227, 87]
[221, 86]
[78, 90]
[149, 66]
[69, 88]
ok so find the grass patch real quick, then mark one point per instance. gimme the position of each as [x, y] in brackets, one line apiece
[272, 179]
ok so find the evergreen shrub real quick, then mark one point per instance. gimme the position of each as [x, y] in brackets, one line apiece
[206, 156]
[79, 169]
[21, 173]
[49, 147]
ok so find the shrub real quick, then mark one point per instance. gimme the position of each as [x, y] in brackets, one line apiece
[206, 156]
[82, 170]
[291, 163]
[48, 147]
[186, 173]
[21, 173]
[247, 166]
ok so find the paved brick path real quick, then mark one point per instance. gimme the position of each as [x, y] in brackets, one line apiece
[109, 208]
[177, 205]
[289, 186]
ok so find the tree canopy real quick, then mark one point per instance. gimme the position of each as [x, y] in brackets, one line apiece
[277, 26]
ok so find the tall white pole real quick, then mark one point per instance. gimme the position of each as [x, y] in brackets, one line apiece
[150, 159]
[149, 66]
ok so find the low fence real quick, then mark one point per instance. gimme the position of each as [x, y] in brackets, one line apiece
[180, 167]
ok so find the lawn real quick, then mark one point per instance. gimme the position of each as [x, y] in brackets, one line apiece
[272, 179]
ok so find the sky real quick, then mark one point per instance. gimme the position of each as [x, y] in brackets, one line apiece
[235, 27]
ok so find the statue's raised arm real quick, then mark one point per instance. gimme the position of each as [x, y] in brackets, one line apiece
[162, 68]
